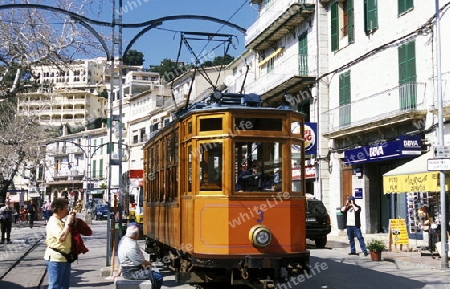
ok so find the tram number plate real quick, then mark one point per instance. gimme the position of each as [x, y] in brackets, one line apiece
[310, 219]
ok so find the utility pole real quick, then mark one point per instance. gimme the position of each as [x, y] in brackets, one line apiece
[444, 245]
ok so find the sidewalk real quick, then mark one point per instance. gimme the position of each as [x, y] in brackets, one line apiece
[414, 258]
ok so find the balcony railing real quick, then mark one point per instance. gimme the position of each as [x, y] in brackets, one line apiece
[394, 102]
[268, 16]
[285, 68]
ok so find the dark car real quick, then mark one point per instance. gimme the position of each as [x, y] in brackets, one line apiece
[101, 212]
[318, 224]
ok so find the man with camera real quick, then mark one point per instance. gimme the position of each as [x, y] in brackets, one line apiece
[353, 212]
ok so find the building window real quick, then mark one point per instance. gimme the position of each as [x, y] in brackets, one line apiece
[344, 99]
[303, 54]
[370, 15]
[342, 23]
[100, 169]
[271, 64]
[404, 6]
[407, 76]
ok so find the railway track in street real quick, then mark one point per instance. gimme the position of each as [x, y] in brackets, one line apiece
[21, 263]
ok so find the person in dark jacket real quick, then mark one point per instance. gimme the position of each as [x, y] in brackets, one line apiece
[353, 212]
[6, 217]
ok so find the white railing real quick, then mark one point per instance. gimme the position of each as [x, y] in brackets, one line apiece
[445, 89]
[269, 15]
[285, 68]
[392, 102]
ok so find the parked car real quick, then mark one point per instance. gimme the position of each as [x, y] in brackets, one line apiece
[318, 224]
[101, 212]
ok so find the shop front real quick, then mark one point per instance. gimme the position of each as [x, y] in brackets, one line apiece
[420, 189]
[368, 165]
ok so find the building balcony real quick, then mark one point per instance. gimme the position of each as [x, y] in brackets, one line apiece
[289, 75]
[276, 21]
[445, 95]
[404, 103]
[60, 152]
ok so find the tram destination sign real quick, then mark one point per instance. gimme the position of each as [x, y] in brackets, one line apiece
[438, 164]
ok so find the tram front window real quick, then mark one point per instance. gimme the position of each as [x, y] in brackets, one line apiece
[258, 166]
[211, 166]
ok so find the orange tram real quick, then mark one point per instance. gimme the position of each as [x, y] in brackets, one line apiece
[224, 195]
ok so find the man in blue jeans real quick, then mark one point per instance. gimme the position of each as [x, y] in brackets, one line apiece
[132, 262]
[353, 212]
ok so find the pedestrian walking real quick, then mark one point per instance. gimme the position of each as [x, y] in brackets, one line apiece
[59, 245]
[32, 213]
[6, 218]
[47, 208]
[353, 212]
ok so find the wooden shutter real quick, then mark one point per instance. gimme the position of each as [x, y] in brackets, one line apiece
[303, 54]
[94, 169]
[334, 27]
[344, 98]
[351, 21]
[100, 171]
[370, 15]
[407, 75]
[404, 5]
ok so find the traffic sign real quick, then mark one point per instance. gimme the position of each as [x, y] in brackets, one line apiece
[441, 151]
[438, 164]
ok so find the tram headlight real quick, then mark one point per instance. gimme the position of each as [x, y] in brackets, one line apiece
[260, 236]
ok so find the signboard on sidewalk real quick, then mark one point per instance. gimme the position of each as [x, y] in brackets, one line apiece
[398, 234]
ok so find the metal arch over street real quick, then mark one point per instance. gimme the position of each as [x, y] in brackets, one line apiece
[78, 18]
[84, 21]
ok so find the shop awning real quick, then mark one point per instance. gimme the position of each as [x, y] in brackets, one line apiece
[413, 176]
[26, 197]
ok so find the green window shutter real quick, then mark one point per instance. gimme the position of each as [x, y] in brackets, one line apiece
[108, 122]
[95, 147]
[334, 27]
[94, 169]
[351, 21]
[404, 5]
[100, 171]
[407, 75]
[101, 146]
[303, 54]
[370, 15]
[344, 99]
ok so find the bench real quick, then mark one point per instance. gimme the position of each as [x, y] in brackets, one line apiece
[122, 283]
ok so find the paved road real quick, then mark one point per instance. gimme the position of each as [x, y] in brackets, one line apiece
[22, 265]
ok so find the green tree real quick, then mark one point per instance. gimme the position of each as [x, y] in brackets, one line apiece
[219, 60]
[134, 57]
[169, 70]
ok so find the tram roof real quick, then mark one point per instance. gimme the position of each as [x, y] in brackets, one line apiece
[223, 101]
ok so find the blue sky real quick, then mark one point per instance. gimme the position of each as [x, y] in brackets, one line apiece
[164, 42]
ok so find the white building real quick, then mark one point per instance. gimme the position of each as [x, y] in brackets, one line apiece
[74, 108]
[84, 75]
[287, 49]
[382, 106]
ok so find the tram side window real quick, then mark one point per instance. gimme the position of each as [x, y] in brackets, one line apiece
[189, 169]
[211, 166]
[258, 166]
[297, 181]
